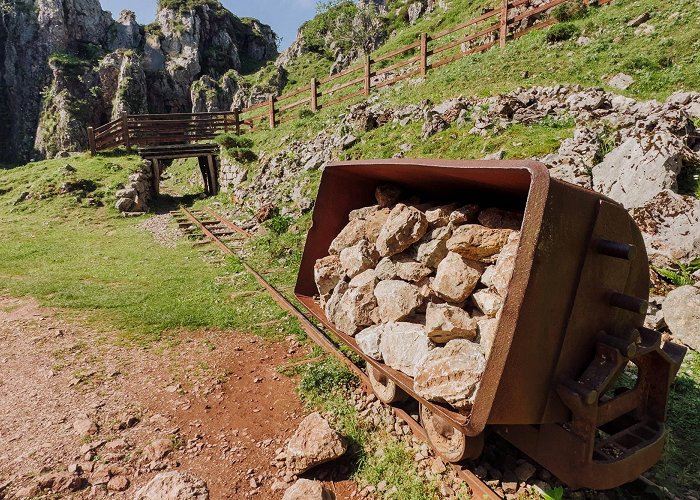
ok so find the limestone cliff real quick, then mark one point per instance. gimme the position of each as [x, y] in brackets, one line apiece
[66, 65]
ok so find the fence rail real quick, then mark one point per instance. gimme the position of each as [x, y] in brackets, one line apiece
[496, 26]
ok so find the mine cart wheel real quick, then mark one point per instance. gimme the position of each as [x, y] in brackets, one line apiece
[447, 441]
[384, 388]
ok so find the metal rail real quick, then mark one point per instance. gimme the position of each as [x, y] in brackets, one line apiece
[478, 487]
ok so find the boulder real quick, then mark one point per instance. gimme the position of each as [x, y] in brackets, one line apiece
[404, 226]
[327, 273]
[355, 308]
[387, 195]
[369, 339]
[410, 270]
[374, 223]
[350, 234]
[456, 277]
[440, 216]
[396, 300]
[386, 269]
[433, 247]
[313, 443]
[451, 374]
[487, 333]
[358, 258]
[306, 489]
[444, 322]
[404, 346]
[670, 224]
[475, 242]
[634, 173]
[682, 314]
[503, 271]
[331, 306]
[495, 218]
[488, 302]
[621, 81]
[464, 215]
[174, 485]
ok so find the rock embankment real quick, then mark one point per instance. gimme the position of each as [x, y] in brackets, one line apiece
[421, 287]
[138, 192]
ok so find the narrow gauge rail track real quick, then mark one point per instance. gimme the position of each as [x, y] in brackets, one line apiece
[214, 227]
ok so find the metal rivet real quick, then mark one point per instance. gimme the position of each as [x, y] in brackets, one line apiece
[616, 249]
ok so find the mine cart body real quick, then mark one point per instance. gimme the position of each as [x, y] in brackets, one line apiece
[571, 322]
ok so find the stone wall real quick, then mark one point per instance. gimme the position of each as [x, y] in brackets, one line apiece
[231, 174]
[139, 190]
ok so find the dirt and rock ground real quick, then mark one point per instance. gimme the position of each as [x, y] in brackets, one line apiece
[91, 417]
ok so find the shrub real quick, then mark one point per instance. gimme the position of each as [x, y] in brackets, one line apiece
[569, 11]
[561, 32]
[230, 141]
[305, 113]
[279, 224]
[237, 147]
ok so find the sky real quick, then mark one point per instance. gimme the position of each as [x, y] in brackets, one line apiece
[285, 16]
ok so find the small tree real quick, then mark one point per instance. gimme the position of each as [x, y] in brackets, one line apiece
[358, 27]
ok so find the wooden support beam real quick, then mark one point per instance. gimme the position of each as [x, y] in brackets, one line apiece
[125, 131]
[91, 141]
[504, 23]
[155, 165]
[314, 95]
[237, 117]
[272, 111]
[423, 54]
[368, 75]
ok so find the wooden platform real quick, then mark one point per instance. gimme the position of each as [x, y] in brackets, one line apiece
[207, 154]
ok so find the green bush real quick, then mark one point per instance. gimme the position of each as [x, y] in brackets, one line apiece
[279, 224]
[305, 113]
[562, 32]
[325, 378]
[569, 11]
[231, 141]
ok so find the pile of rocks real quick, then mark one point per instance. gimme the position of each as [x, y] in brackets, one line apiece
[421, 287]
[134, 197]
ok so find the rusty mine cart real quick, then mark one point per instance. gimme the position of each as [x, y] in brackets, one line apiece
[571, 324]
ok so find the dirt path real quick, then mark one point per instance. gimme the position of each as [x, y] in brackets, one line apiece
[215, 397]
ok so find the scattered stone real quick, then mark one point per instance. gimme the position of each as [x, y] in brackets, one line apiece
[118, 483]
[174, 485]
[306, 489]
[621, 81]
[639, 20]
[374, 223]
[456, 277]
[158, 449]
[354, 310]
[313, 443]
[682, 314]
[525, 471]
[404, 226]
[451, 374]
[410, 270]
[85, 427]
[404, 346]
[444, 322]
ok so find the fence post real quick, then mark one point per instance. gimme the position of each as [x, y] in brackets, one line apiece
[314, 95]
[91, 141]
[368, 74]
[504, 24]
[423, 54]
[125, 129]
[272, 111]
[225, 122]
[237, 118]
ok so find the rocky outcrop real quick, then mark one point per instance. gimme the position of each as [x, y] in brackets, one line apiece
[94, 68]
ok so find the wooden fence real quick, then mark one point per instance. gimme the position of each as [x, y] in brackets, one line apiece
[495, 26]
